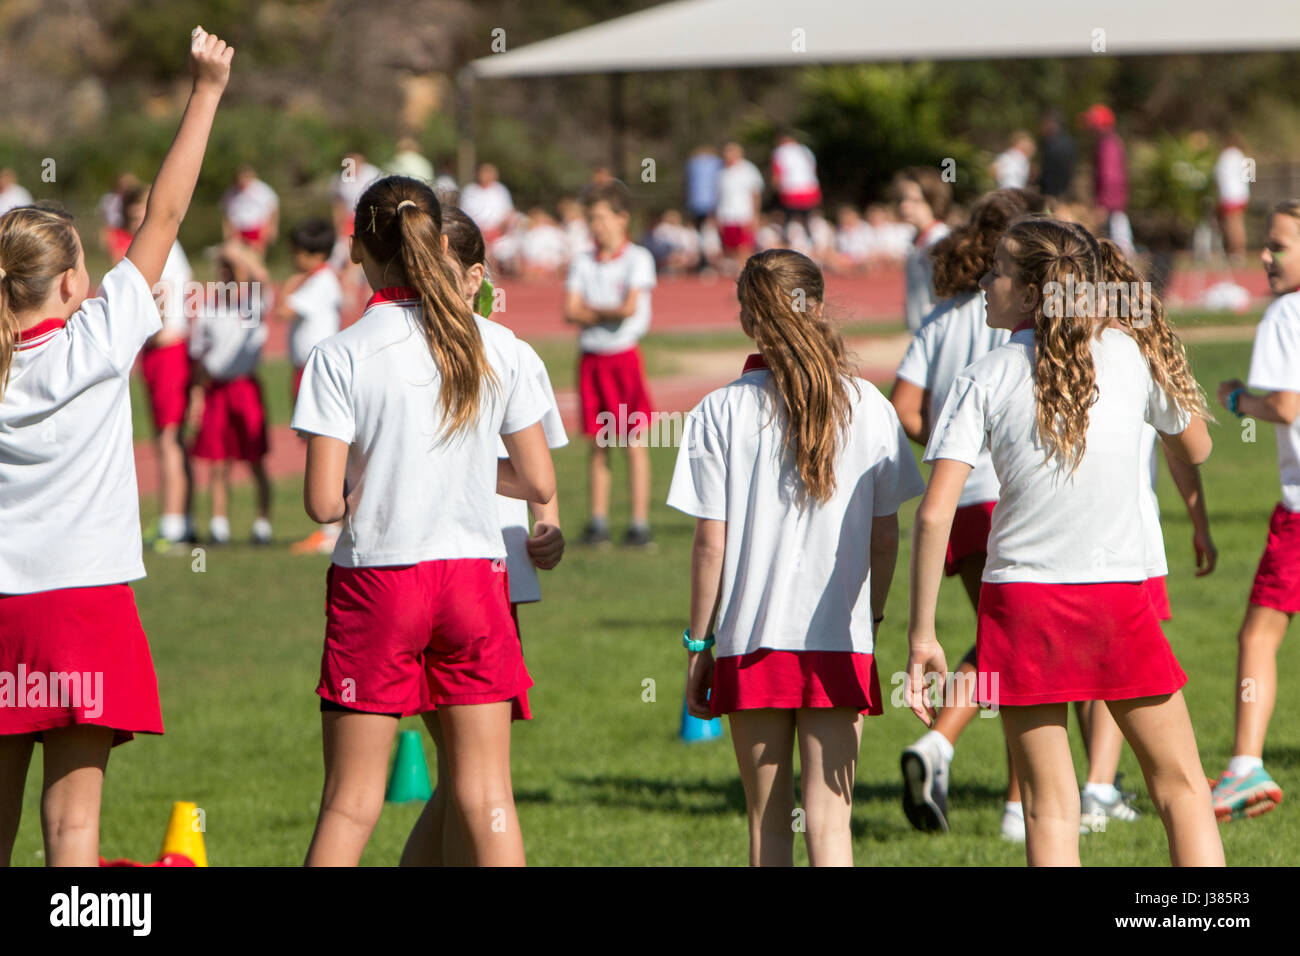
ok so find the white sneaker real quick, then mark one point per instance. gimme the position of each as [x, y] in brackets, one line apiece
[1094, 812]
[1013, 826]
[219, 530]
[925, 787]
[261, 531]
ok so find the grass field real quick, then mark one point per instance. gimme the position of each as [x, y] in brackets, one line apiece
[600, 777]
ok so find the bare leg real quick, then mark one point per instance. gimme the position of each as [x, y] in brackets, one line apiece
[1257, 645]
[356, 750]
[173, 472]
[1105, 741]
[75, 758]
[764, 745]
[15, 758]
[598, 477]
[263, 488]
[828, 756]
[477, 741]
[1040, 748]
[438, 838]
[1160, 732]
[219, 478]
[638, 473]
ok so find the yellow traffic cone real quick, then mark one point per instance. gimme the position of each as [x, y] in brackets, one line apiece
[185, 833]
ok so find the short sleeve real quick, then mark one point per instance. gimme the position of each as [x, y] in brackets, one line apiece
[525, 402]
[122, 318]
[699, 485]
[961, 430]
[1163, 412]
[1275, 359]
[574, 282]
[896, 478]
[643, 271]
[532, 365]
[324, 405]
[915, 367]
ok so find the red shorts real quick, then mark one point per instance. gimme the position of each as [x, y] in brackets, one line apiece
[794, 679]
[613, 394]
[1227, 208]
[234, 422]
[1159, 595]
[969, 535]
[736, 237]
[1052, 643]
[1277, 581]
[411, 639]
[92, 659]
[255, 237]
[166, 372]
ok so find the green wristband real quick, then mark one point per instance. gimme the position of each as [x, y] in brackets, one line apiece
[1234, 397]
[696, 646]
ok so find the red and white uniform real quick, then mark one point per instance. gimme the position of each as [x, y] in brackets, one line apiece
[317, 305]
[489, 206]
[1064, 609]
[166, 368]
[740, 186]
[955, 335]
[611, 377]
[1157, 566]
[70, 513]
[1231, 180]
[250, 210]
[794, 619]
[418, 612]
[227, 341]
[1275, 367]
[794, 171]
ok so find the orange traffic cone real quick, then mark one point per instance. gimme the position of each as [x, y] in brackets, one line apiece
[185, 833]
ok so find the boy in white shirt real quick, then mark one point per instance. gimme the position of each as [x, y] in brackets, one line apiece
[608, 297]
[252, 211]
[226, 398]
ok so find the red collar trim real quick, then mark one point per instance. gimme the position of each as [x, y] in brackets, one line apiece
[393, 293]
[1027, 324]
[27, 338]
[322, 267]
[754, 361]
[920, 237]
[602, 257]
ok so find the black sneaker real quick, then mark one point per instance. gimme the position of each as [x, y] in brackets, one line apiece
[595, 537]
[639, 538]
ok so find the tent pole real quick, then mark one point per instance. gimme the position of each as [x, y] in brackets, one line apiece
[466, 160]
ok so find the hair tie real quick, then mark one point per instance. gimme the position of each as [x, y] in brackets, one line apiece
[405, 202]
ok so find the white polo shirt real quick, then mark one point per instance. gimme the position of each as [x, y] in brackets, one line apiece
[316, 305]
[796, 168]
[516, 526]
[250, 207]
[489, 206]
[69, 506]
[1050, 526]
[227, 337]
[737, 186]
[954, 335]
[1275, 367]
[604, 284]
[175, 281]
[795, 577]
[1230, 176]
[413, 494]
[1148, 478]
[918, 272]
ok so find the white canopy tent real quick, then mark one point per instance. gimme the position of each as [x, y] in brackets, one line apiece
[712, 34]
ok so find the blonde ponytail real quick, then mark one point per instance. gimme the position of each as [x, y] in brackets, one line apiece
[37, 245]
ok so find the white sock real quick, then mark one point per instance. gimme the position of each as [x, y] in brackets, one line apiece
[261, 528]
[172, 527]
[1015, 808]
[940, 743]
[1240, 765]
[219, 528]
[1105, 792]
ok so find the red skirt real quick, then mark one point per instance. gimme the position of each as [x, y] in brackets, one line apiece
[76, 656]
[1277, 580]
[1053, 643]
[790, 680]
[1159, 595]
[166, 372]
[234, 422]
[612, 389]
[970, 534]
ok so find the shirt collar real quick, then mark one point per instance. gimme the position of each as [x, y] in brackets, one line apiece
[603, 257]
[38, 333]
[754, 361]
[920, 236]
[1027, 324]
[393, 293]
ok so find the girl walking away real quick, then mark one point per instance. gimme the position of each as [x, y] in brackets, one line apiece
[1245, 788]
[794, 473]
[956, 335]
[437, 839]
[403, 411]
[1064, 611]
[68, 500]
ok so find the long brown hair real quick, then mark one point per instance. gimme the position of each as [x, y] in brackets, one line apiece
[1141, 314]
[399, 223]
[37, 245]
[1049, 256]
[781, 295]
[965, 255]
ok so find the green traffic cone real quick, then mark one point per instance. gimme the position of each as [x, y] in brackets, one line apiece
[410, 779]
